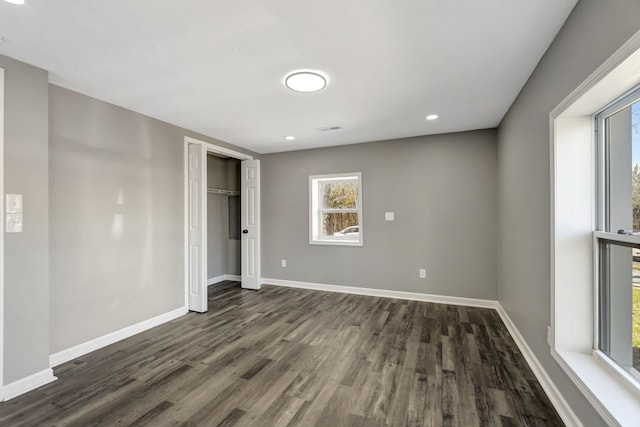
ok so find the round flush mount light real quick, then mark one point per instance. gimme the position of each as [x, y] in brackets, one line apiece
[289, 138]
[306, 81]
[432, 116]
[15, 1]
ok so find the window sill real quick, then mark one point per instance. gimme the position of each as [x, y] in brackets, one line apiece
[616, 400]
[335, 242]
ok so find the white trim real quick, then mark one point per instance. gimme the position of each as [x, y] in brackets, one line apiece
[216, 149]
[29, 383]
[224, 277]
[2, 391]
[554, 395]
[412, 296]
[214, 280]
[599, 386]
[624, 52]
[63, 356]
[185, 214]
[623, 374]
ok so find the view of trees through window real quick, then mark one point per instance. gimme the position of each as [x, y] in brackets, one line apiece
[339, 208]
[635, 170]
[620, 264]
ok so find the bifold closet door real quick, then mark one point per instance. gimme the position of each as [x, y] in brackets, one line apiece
[250, 223]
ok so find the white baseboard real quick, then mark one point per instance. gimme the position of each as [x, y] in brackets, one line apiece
[413, 296]
[222, 278]
[27, 384]
[214, 280]
[110, 338]
[554, 395]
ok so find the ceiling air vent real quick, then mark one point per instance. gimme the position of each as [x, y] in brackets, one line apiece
[330, 129]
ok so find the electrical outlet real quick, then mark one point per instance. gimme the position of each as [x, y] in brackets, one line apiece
[549, 336]
[423, 273]
[284, 263]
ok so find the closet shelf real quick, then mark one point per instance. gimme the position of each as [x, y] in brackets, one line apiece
[220, 191]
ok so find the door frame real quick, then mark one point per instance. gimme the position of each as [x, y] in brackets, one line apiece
[213, 149]
[2, 222]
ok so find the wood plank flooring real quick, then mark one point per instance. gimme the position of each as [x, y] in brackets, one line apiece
[290, 357]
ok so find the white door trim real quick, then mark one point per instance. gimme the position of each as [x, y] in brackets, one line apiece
[216, 149]
[1, 234]
[210, 148]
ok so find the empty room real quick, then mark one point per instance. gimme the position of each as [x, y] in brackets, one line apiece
[338, 213]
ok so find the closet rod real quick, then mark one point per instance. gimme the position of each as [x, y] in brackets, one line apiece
[220, 191]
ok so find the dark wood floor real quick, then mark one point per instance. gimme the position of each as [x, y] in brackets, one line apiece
[289, 357]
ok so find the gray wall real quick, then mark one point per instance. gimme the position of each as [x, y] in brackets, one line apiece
[26, 262]
[117, 224]
[442, 189]
[223, 254]
[592, 33]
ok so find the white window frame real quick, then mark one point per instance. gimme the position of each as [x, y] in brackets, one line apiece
[573, 332]
[601, 235]
[315, 210]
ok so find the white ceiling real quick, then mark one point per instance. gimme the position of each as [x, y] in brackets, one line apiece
[217, 67]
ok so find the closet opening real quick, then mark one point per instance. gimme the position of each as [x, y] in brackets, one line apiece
[223, 220]
[222, 192]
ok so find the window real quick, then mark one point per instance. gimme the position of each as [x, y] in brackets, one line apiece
[617, 238]
[335, 209]
[590, 325]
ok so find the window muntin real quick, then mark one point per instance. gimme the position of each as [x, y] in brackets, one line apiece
[618, 238]
[335, 209]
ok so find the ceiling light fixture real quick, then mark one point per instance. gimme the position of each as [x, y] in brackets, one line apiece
[289, 138]
[15, 1]
[432, 116]
[305, 81]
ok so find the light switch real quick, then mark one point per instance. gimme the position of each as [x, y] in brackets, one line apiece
[389, 216]
[14, 223]
[14, 203]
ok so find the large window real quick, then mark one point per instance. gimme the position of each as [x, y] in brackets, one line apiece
[617, 239]
[594, 207]
[335, 209]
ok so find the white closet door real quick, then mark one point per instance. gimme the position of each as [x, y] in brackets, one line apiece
[197, 228]
[250, 223]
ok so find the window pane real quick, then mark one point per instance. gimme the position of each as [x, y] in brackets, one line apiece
[623, 169]
[339, 194]
[620, 304]
[343, 225]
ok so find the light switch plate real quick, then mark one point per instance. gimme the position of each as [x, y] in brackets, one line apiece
[14, 223]
[389, 216]
[13, 203]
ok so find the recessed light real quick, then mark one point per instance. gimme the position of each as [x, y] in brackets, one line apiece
[15, 1]
[432, 116]
[305, 81]
[289, 138]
